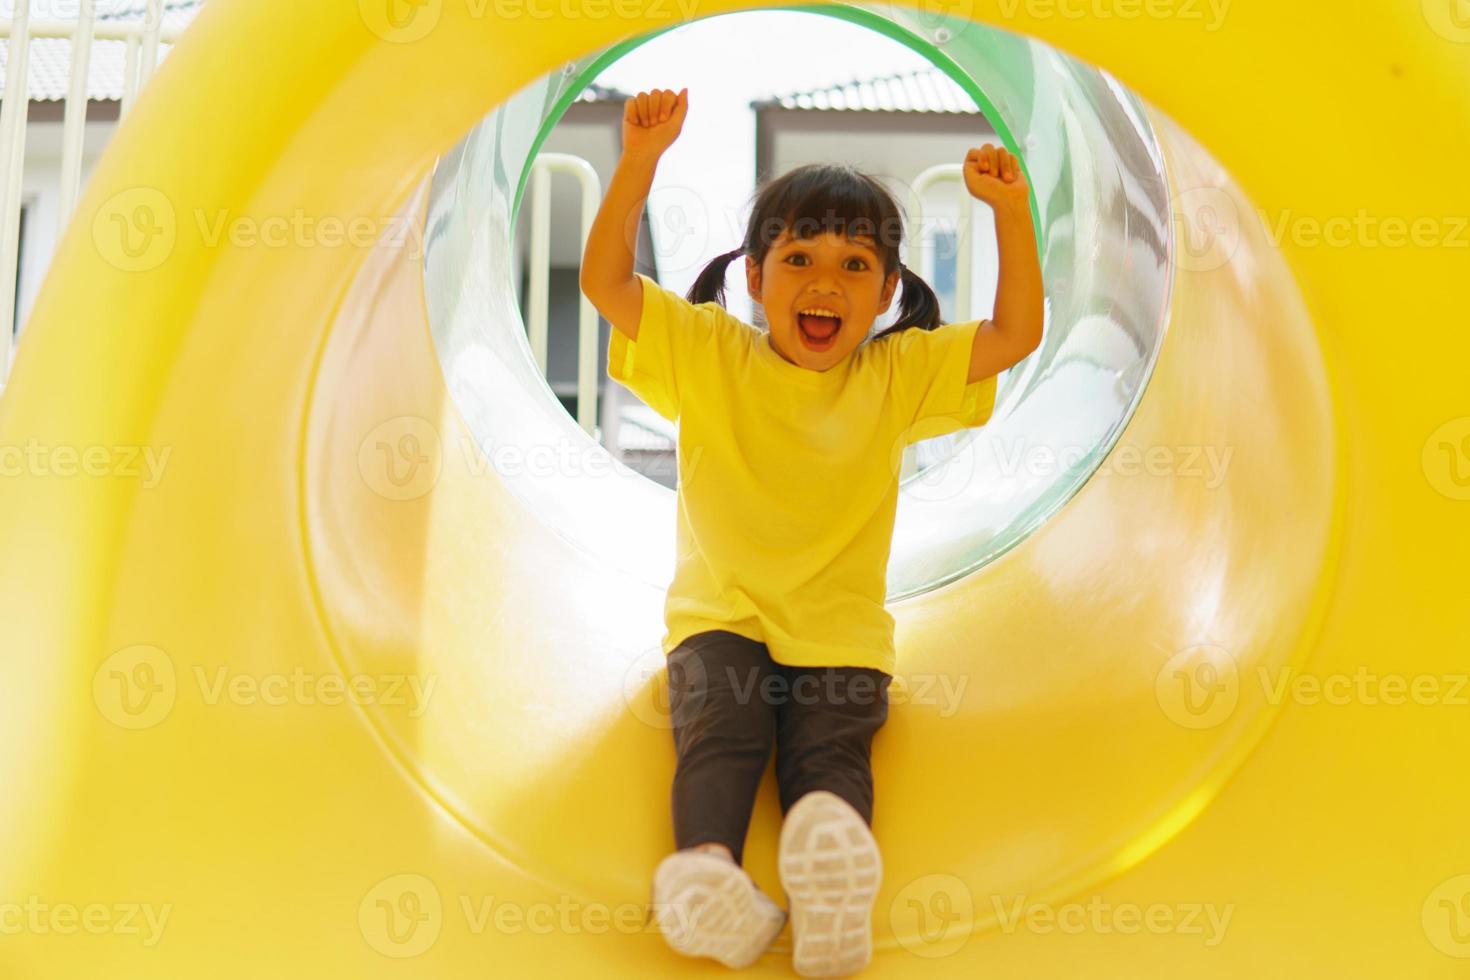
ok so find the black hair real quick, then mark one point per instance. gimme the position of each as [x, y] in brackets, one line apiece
[838, 198]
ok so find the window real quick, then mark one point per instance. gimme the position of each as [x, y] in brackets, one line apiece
[946, 245]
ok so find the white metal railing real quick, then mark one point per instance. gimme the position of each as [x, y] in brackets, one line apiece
[538, 302]
[142, 39]
[936, 174]
[926, 452]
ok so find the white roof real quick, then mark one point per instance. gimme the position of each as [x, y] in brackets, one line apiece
[923, 90]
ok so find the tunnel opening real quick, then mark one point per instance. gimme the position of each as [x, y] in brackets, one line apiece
[1101, 207]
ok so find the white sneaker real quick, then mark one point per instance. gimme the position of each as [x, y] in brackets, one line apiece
[708, 906]
[831, 869]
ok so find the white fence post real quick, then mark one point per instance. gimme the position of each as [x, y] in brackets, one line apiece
[964, 233]
[13, 116]
[74, 128]
[152, 30]
[540, 275]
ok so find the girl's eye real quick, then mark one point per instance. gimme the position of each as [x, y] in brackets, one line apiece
[861, 264]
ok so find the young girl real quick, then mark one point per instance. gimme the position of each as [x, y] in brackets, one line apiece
[790, 445]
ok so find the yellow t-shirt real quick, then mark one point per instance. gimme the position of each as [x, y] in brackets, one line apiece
[787, 477]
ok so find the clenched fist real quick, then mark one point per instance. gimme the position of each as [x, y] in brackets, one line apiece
[653, 120]
[994, 176]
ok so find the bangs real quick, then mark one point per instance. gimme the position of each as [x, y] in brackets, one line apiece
[832, 199]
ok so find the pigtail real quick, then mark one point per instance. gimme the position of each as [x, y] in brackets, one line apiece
[917, 304]
[710, 284]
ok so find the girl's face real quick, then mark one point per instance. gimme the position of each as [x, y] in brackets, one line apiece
[830, 273]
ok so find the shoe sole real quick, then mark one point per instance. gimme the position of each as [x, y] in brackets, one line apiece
[706, 906]
[831, 870]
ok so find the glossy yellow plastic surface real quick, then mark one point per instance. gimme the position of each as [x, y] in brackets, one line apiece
[294, 686]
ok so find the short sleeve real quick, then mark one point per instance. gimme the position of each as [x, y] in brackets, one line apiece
[929, 371]
[677, 340]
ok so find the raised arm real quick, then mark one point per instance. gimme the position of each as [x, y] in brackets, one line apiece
[651, 123]
[994, 176]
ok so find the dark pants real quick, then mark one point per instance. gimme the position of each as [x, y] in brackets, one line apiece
[730, 703]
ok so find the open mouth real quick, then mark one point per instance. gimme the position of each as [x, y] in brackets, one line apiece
[818, 332]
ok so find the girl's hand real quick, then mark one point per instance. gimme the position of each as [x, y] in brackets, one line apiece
[994, 176]
[652, 121]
